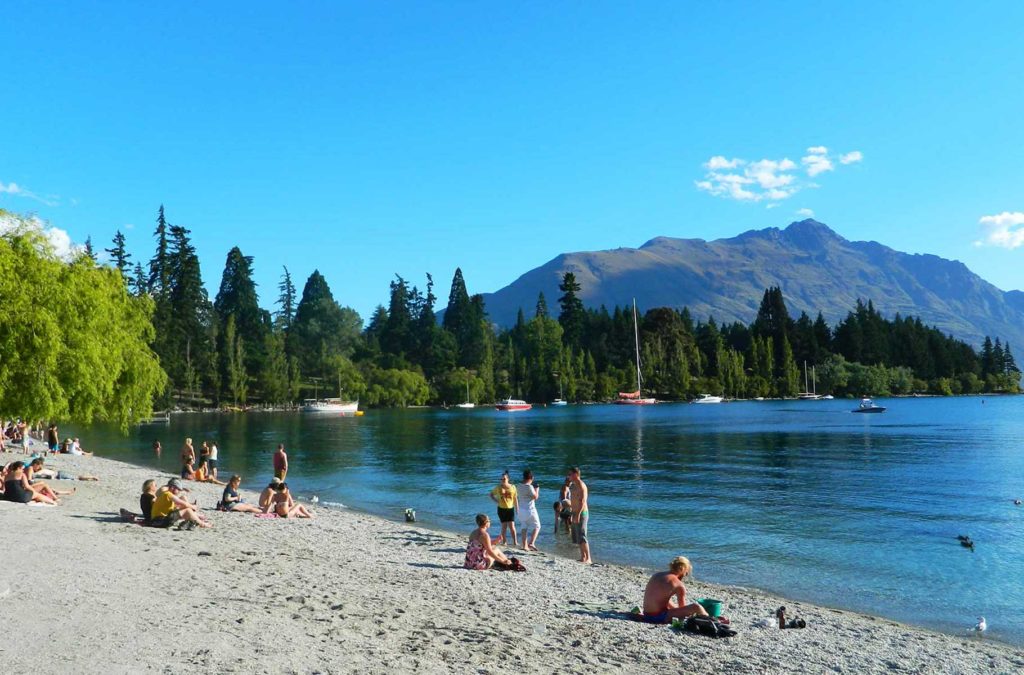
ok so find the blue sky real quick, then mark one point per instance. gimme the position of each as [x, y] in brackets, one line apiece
[368, 139]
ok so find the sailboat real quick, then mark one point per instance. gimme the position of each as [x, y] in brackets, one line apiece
[808, 395]
[468, 403]
[635, 397]
[559, 400]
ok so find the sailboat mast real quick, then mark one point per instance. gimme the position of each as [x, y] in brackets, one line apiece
[636, 340]
[805, 377]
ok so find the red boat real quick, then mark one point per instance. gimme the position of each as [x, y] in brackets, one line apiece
[634, 398]
[512, 405]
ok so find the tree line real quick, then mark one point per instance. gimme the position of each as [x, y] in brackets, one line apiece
[232, 352]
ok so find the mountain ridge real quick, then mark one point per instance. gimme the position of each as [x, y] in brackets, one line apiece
[817, 269]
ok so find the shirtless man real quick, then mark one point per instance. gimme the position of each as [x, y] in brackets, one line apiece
[665, 595]
[580, 513]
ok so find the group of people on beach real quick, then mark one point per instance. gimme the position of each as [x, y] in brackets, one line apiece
[202, 469]
[665, 595]
[518, 503]
[168, 505]
[18, 434]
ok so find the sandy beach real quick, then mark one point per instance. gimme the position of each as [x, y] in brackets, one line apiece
[352, 592]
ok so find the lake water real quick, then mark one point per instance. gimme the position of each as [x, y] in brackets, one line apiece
[798, 497]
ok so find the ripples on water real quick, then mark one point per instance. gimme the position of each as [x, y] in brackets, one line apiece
[801, 497]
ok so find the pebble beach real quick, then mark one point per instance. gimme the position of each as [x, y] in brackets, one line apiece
[351, 592]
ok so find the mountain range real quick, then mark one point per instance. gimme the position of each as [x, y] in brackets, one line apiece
[817, 269]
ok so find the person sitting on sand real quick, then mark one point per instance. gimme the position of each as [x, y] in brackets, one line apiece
[285, 506]
[232, 502]
[168, 507]
[188, 472]
[267, 496]
[481, 553]
[202, 475]
[32, 471]
[665, 595]
[146, 500]
[17, 488]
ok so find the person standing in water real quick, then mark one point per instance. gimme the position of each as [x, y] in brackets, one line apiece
[526, 502]
[505, 496]
[580, 514]
[280, 463]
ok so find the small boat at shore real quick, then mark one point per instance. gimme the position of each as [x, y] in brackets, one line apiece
[330, 406]
[512, 405]
[708, 398]
[559, 401]
[868, 406]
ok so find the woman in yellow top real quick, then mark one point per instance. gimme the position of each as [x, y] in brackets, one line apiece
[505, 496]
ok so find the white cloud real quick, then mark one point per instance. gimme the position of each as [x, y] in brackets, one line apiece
[718, 162]
[817, 162]
[16, 190]
[768, 180]
[129, 226]
[806, 213]
[1005, 230]
[58, 239]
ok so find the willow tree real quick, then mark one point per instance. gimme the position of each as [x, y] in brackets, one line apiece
[77, 347]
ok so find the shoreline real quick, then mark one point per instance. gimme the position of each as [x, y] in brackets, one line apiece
[355, 591]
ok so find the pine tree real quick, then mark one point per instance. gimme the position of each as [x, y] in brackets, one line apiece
[456, 315]
[140, 285]
[237, 298]
[542, 307]
[285, 301]
[119, 254]
[572, 315]
[159, 264]
[89, 251]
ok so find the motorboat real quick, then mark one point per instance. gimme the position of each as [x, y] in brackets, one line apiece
[559, 401]
[708, 398]
[334, 406]
[512, 405]
[635, 397]
[868, 406]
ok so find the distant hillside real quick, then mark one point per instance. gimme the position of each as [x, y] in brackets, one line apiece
[816, 268]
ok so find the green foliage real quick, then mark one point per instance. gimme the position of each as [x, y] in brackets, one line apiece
[76, 345]
[396, 388]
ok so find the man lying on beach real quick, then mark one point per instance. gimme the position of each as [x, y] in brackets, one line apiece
[168, 507]
[665, 595]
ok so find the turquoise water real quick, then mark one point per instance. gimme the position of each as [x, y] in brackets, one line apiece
[798, 497]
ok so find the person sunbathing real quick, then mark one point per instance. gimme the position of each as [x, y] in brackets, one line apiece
[481, 553]
[231, 501]
[18, 489]
[31, 473]
[285, 506]
[665, 595]
[169, 507]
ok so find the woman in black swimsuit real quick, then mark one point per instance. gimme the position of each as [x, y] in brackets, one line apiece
[17, 488]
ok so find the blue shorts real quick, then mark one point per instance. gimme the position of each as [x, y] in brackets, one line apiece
[655, 618]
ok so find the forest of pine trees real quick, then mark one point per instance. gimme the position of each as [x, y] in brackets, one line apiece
[233, 352]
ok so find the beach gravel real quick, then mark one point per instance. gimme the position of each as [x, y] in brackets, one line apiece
[83, 592]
